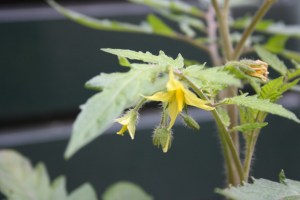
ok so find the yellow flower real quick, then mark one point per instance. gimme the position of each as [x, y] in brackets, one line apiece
[260, 70]
[128, 122]
[177, 96]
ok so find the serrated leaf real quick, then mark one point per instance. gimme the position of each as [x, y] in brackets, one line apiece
[249, 127]
[159, 27]
[174, 6]
[262, 105]
[271, 59]
[262, 189]
[125, 191]
[99, 24]
[274, 89]
[21, 181]
[212, 75]
[162, 59]
[120, 91]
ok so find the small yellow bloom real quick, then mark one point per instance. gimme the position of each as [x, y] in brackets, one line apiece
[260, 70]
[177, 96]
[128, 122]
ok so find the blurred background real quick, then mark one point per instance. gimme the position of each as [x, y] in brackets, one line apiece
[45, 61]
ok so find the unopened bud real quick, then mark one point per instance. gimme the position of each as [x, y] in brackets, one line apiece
[190, 122]
[258, 69]
[162, 137]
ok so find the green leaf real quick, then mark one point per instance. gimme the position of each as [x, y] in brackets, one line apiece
[173, 6]
[159, 27]
[212, 75]
[261, 105]
[21, 181]
[276, 43]
[95, 23]
[262, 189]
[224, 116]
[125, 191]
[249, 127]
[269, 27]
[274, 89]
[293, 73]
[119, 91]
[290, 54]
[162, 59]
[271, 59]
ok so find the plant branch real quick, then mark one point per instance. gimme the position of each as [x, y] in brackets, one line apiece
[228, 145]
[191, 41]
[224, 29]
[248, 31]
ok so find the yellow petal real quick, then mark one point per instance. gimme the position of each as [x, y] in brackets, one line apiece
[160, 96]
[123, 120]
[180, 99]
[173, 112]
[122, 130]
[193, 100]
[167, 144]
[173, 84]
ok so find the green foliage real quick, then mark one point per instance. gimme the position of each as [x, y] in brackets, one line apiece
[173, 6]
[213, 78]
[119, 91]
[249, 127]
[274, 89]
[21, 181]
[264, 105]
[162, 59]
[272, 60]
[262, 189]
[159, 27]
[95, 23]
[125, 191]
[276, 43]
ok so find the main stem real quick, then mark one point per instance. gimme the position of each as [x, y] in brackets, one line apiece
[231, 155]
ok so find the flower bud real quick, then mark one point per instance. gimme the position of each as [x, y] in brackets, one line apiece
[190, 122]
[258, 68]
[162, 137]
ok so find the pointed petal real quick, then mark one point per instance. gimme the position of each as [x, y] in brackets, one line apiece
[160, 96]
[180, 99]
[173, 112]
[173, 84]
[122, 130]
[131, 130]
[166, 147]
[193, 100]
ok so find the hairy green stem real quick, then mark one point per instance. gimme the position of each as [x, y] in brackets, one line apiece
[248, 31]
[228, 145]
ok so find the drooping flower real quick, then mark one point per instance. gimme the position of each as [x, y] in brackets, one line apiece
[162, 137]
[260, 70]
[128, 122]
[177, 96]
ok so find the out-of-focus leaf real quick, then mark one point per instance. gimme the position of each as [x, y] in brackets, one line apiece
[125, 191]
[269, 27]
[294, 55]
[276, 43]
[174, 6]
[101, 24]
[21, 181]
[249, 127]
[272, 60]
[159, 27]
